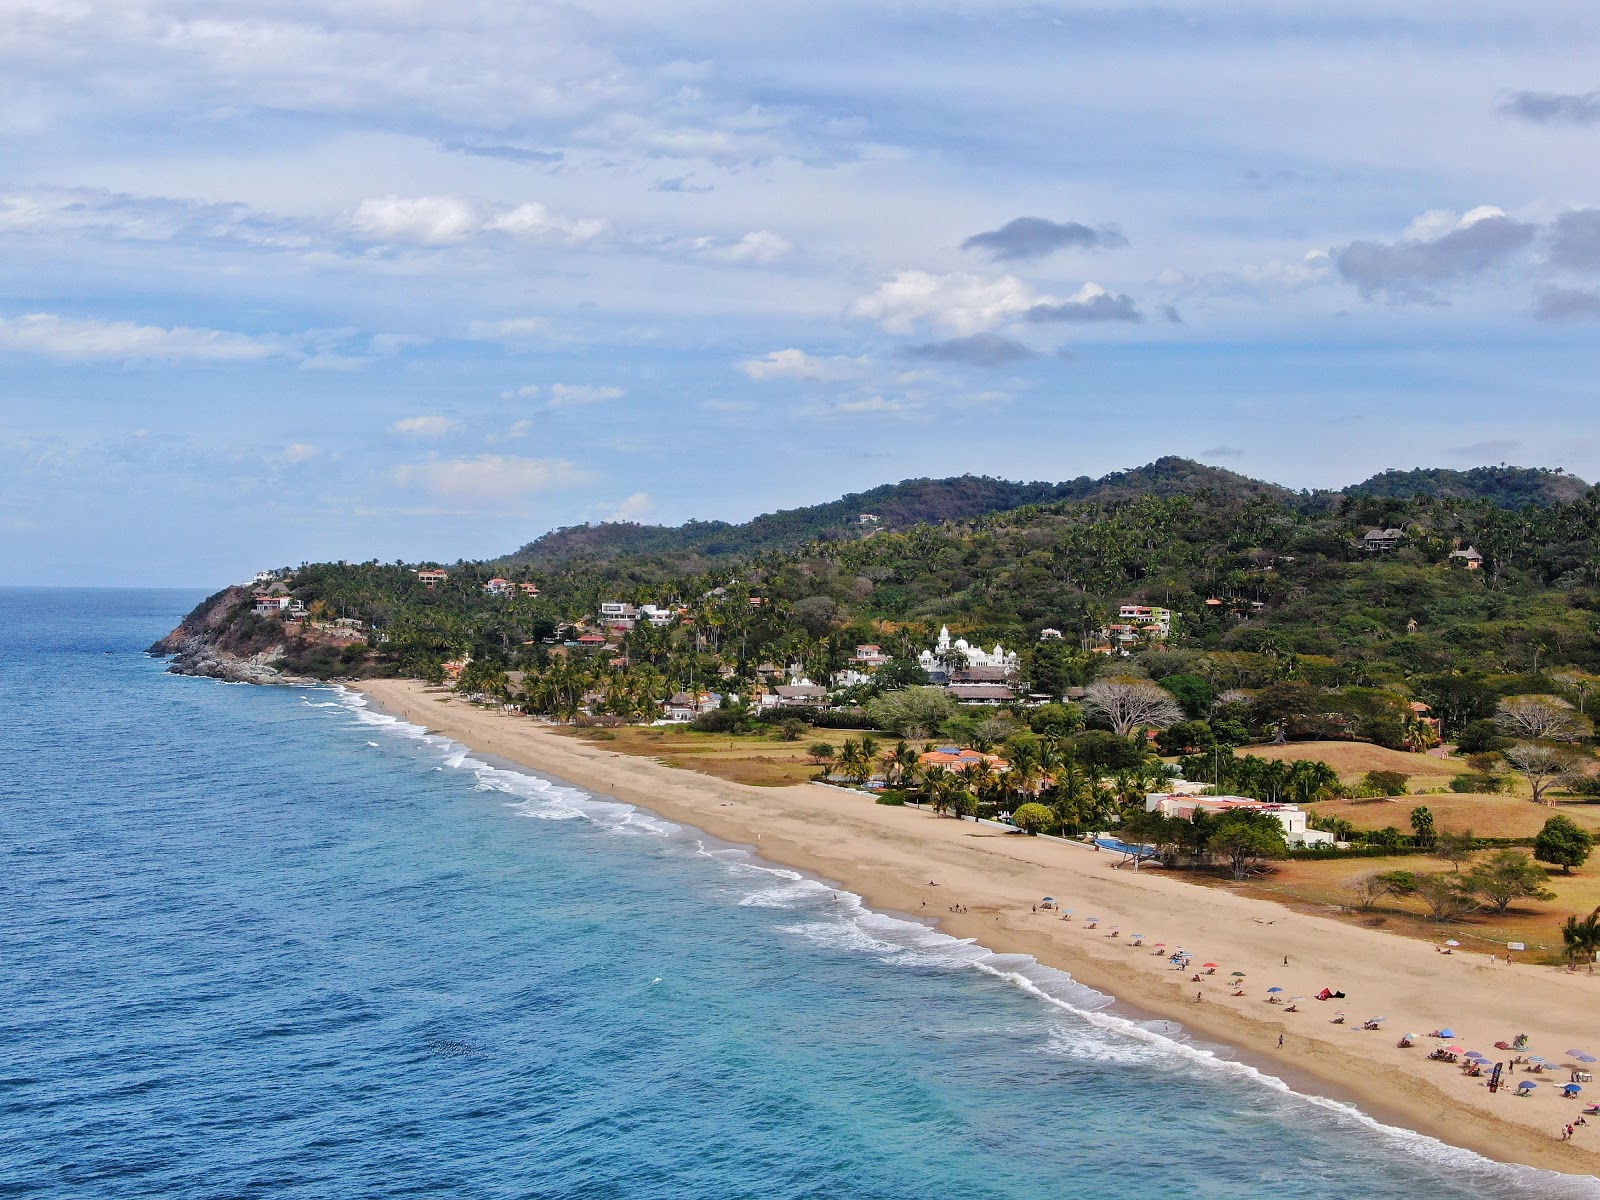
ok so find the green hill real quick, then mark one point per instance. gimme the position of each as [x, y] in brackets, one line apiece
[1502, 486]
[897, 506]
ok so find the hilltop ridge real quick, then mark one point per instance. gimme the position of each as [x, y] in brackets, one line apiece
[698, 544]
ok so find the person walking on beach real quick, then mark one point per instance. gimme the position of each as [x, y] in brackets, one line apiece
[1280, 1041]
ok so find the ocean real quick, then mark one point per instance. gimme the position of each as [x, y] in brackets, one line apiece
[264, 942]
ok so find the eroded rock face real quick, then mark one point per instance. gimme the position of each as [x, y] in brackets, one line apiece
[200, 645]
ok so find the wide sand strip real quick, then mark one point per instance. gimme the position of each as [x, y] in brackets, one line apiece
[912, 861]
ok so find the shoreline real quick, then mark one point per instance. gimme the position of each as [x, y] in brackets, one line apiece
[898, 860]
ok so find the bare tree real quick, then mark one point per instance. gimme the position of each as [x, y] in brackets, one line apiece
[1541, 718]
[1368, 888]
[1133, 703]
[1542, 766]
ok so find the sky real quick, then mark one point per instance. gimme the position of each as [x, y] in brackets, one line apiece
[285, 281]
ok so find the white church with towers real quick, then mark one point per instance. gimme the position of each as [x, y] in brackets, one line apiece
[950, 658]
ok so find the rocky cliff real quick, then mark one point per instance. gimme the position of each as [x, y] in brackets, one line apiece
[224, 639]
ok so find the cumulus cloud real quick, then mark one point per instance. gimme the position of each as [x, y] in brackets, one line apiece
[1035, 237]
[679, 183]
[633, 508]
[1437, 247]
[976, 350]
[1553, 108]
[429, 220]
[1559, 305]
[1090, 304]
[1575, 240]
[569, 395]
[528, 392]
[963, 303]
[490, 478]
[537, 223]
[425, 426]
[797, 364]
[74, 338]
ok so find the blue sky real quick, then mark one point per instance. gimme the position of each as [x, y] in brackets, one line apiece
[383, 278]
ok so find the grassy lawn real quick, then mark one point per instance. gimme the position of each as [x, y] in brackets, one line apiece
[762, 760]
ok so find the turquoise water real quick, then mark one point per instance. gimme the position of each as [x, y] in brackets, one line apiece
[260, 942]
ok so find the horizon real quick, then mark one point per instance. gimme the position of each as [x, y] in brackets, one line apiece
[425, 284]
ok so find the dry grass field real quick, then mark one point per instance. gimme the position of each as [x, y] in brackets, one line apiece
[745, 758]
[1354, 759]
[1316, 887]
[1486, 816]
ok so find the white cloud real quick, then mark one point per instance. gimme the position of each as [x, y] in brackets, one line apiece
[446, 220]
[426, 426]
[513, 330]
[1436, 222]
[761, 246]
[393, 343]
[430, 220]
[567, 395]
[797, 364]
[530, 392]
[958, 301]
[490, 478]
[634, 508]
[73, 338]
[299, 452]
[537, 222]
[867, 406]
[517, 429]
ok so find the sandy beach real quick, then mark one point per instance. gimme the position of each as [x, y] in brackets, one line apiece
[912, 861]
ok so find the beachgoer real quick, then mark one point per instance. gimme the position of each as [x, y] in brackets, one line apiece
[1286, 960]
[1197, 997]
[1280, 1041]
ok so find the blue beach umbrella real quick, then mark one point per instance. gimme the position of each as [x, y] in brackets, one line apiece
[1572, 1089]
[1579, 1053]
[1584, 1058]
[1274, 990]
[1527, 1085]
[1447, 1033]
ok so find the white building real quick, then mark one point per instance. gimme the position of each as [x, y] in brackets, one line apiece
[948, 657]
[657, 616]
[1296, 830]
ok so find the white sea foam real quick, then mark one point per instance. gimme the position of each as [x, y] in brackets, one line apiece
[840, 920]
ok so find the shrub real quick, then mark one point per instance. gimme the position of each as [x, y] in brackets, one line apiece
[893, 798]
[1478, 783]
[1386, 783]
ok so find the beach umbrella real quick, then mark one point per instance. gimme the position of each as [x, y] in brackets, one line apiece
[1453, 1050]
[1447, 1033]
[1451, 942]
[1579, 1053]
[1213, 967]
[1477, 1055]
[1572, 1089]
[1584, 1058]
[1527, 1085]
[1049, 899]
[1535, 1058]
[1237, 974]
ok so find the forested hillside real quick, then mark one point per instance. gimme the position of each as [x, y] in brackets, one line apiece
[1290, 625]
[1504, 487]
[659, 549]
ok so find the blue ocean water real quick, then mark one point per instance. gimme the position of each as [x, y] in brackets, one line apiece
[262, 942]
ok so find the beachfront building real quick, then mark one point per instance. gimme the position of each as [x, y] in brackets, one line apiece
[954, 758]
[1382, 539]
[497, 587]
[529, 589]
[268, 605]
[980, 693]
[431, 577]
[801, 694]
[1467, 558]
[949, 659]
[869, 656]
[1295, 822]
[656, 615]
[685, 706]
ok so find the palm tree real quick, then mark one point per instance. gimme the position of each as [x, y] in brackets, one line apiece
[1582, 937]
